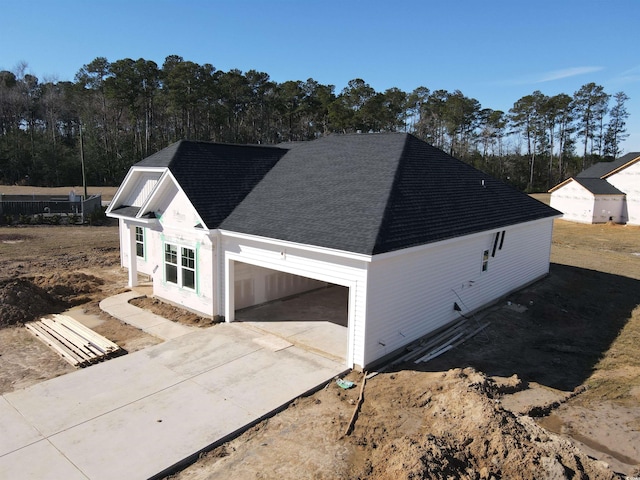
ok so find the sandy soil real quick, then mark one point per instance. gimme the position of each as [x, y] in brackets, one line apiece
[49, 269]
[550, 390]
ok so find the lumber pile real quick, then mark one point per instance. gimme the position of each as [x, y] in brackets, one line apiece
[443, 341]
[74, 342]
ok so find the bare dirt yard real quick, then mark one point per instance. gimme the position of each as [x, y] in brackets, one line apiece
[551, 389]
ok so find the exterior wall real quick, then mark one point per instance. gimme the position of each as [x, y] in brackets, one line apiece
[609, 208]
[255, 285]
[412, 293]
[144, 184]
[323, 265]
[145, 264]
[177, 227]
[575, 202]
[628, 181]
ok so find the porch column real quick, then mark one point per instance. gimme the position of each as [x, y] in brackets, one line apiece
[133, 258]
[229, 290]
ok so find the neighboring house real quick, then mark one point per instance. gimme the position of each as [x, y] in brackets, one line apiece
[605, 192]
[412, 232]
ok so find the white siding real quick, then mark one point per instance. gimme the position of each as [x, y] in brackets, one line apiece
[575, 202]
[322, 266]
[628, 181]
[413, 293]
[255, 285]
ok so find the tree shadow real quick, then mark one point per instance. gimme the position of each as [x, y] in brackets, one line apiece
[572, 317]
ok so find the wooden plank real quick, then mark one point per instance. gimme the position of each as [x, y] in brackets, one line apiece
[449, 342]
[104, 344]
[57, 340]
[98, 345]
[431, 342]
[80, 356]
[357, 408]
[472, 334]
[53, 344]
[74, 341]
[445, 335]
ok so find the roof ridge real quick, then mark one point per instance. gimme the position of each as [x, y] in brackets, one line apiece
[386, 214]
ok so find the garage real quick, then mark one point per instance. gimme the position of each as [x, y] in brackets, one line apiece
[308, 313]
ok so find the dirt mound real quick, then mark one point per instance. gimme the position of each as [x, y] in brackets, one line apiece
[450, 426]
[22, 301]
[25, 299]
[71, 287]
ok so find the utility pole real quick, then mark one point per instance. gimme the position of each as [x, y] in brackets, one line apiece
[84, 178]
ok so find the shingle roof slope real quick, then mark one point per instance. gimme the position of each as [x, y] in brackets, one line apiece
[598, 186]
[602, 169]
[215, 177]
[377, 193]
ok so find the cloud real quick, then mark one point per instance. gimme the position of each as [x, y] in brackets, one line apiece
[631, 75]
[565, 73]
[548, 76]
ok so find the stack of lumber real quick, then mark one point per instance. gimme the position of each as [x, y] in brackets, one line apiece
[441, 342]
[74, 342]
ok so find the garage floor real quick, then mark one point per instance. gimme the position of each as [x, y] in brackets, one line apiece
[316, 321]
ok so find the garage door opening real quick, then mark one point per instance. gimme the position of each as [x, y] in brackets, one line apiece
[305, 312]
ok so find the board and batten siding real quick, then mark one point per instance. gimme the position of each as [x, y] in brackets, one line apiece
[412, 293]
[322, 265]
[628, 180]
[145, 182]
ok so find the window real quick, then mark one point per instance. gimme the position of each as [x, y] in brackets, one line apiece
[140, 242]
[180, 270]
[188, 268]
[171, 263]
[485, 260]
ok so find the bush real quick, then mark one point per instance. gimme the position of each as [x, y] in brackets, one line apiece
[98, 216]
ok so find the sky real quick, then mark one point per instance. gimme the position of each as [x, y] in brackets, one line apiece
[493, 51]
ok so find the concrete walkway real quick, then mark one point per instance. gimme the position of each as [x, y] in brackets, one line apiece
[135, 416]
[119, 307]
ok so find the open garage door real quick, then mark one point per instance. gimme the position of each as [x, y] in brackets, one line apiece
[308, 313]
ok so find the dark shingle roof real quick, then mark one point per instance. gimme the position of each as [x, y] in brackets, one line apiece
[602, 169]
[377, 193]
[598, 186]
[215, 177]
[126, 211]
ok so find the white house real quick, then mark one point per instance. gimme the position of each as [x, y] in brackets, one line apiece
[605, 192]
[409, 230]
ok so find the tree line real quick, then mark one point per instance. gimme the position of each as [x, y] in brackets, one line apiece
[128, 109]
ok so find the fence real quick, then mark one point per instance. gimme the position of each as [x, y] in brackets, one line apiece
[47, 205]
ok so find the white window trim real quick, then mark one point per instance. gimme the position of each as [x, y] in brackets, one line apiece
[179, 265]
[140, 242]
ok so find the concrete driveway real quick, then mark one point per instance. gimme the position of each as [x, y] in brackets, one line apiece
[137, 415]
[315, 321]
